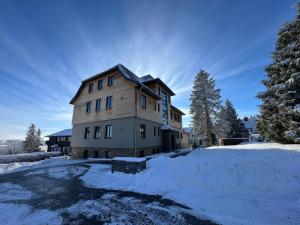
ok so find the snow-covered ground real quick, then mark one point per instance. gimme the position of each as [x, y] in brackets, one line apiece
[244, 184]
[27, 157]
[53, 161]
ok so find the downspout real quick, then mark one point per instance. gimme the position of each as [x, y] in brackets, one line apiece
[135, 118]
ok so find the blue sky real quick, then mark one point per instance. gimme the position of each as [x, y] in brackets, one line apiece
[48, 47]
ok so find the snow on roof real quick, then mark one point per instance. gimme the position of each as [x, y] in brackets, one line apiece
[168, 127]
[251, 123]
[129, 159]
[187, 129]
[66, 132]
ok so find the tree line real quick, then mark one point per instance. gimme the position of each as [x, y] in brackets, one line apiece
[279, 118]
[209, 118]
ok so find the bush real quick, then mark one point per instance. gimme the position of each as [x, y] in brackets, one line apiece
[27, 157]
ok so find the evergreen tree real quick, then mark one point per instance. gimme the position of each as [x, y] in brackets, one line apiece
[280, 109]
[242, 131]
[33, 139]
[232, 119]
[39, 140]
[222, 126]
[235, 127]
[205, 106]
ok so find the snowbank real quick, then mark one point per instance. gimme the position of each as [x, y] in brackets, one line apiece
[27, 157]
[243, 184]
[53, 161]
[129, 159]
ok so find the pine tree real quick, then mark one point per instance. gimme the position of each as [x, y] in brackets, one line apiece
[280, 109]
[39, 140]
[222, 124]
[242, 131]
[33, 139]
[205, 106]
[232, 119]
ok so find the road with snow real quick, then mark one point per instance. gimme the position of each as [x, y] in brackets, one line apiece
[56, 195]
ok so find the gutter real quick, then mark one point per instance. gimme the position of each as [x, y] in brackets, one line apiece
[135, 118]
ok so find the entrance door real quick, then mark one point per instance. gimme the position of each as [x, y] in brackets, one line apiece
[85, 154]
[172, 142]
[165, 141]
[96, 153]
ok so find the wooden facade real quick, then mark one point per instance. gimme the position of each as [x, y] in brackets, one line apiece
[134, 104]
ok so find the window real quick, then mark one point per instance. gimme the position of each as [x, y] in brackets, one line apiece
[158, 107]
[97, 132]
[87, 133]
[181, 135]
[171, 115]
[154, 106]
[88, 107]
[109, 102]
[100, 84]
[91, 87]
[108, 131]
[154, 131]
[98, 105]
[110, 81]
[143, 131]
[158, 90]
[143, 101]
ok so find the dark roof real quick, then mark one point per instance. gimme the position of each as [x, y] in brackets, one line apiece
[126, 73]
[176, 109]
[160, 82]
[62, 133]
[146, 78]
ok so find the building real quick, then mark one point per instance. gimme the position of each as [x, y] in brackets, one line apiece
[116, 113]
[250, 124]
[60, 141]
[185, 132]
[193, 138]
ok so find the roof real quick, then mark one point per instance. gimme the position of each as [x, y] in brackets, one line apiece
[168, 127]
[187, 129]
[126, 73]
[62, 133]
[146, 78]
[160, 82]
[176, 109]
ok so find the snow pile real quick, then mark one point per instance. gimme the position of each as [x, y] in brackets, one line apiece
[27, 157]
[243, 184]
[53, 161]
[129, 159]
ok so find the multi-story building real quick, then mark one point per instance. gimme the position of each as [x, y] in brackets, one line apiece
[60, 141]
[116, 113]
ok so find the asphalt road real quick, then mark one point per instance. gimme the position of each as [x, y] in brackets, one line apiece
[59, 190]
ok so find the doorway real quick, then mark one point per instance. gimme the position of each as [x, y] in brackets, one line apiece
[96, 154]
[85, 154]
[172, 142]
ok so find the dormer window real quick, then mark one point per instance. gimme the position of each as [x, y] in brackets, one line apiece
[100, 84]
[110, 81]
[143, 101]
[91, 87]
